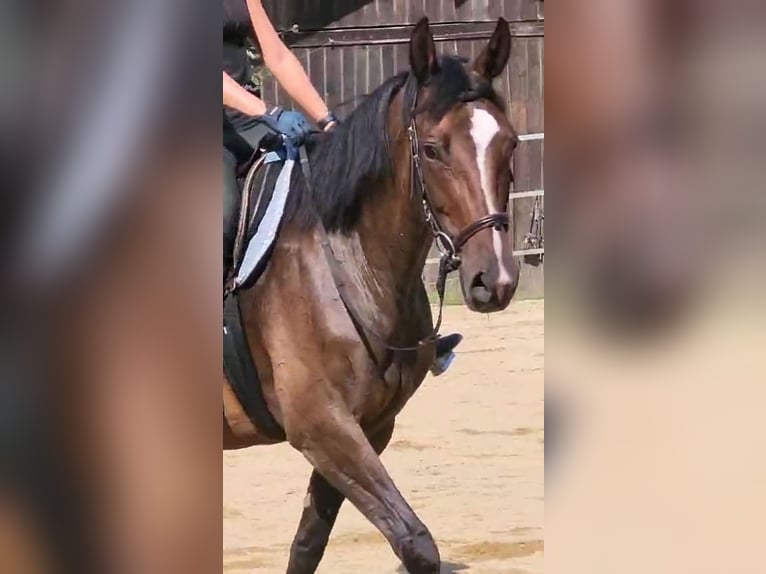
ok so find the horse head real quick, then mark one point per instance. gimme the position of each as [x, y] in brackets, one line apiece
[464, 143]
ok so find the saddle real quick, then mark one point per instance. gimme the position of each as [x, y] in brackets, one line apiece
[265, 188]
[257, 180]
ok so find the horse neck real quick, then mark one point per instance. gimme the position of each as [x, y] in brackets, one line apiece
[395, 241]
[392, 231]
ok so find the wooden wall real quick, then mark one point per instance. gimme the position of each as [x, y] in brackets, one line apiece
[349, 47]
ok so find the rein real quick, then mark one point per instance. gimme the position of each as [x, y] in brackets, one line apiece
[449, 247]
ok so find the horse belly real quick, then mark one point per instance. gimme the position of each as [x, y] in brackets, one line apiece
[238, 430]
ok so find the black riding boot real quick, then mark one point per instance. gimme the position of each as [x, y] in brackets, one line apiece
[445, 353]
[231, 201]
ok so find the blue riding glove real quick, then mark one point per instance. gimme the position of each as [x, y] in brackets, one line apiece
[291, 123]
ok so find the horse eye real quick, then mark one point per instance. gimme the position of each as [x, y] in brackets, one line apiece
[432, 152]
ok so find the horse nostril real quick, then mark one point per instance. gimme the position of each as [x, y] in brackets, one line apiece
[478, 281]
[479, 290]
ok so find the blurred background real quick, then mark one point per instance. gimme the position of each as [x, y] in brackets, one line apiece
[655, 286]
[349, 47]
[109, 420]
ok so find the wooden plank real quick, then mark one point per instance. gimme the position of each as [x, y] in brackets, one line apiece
[464, 11]
[541, 51]
[333, 77]
[402, 57]
[535, 180]
[422, 10]
[535, 89]
[394, 34]
[386, 12]
[512, 10]
[530, 193]
[316, 68]
[449, 11]
[531, 283]
[529, 9]
[375, 68]
[400, 11]
[368, 14]
[361, 67]
[387, 59]
[521, 207]
[348, 79]
[336, 14]
[524, 77]
[496, 9]
[269, 91]
[503, 83]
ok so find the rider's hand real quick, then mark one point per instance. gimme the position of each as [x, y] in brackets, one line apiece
[291, 123]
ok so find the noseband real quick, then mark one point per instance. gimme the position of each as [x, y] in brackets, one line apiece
[449, 247]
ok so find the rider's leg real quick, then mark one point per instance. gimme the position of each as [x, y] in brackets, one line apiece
[230, 207]
[445, 345]
[445, 353]
[252, 134]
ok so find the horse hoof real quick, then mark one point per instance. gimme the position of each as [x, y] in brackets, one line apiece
[420, 554]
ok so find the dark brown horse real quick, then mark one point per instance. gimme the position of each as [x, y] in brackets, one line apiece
[330, 376]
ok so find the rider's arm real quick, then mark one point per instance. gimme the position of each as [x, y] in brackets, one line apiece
[283, 64]
[237, 97]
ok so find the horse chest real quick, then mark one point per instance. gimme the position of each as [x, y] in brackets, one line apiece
[387, 387]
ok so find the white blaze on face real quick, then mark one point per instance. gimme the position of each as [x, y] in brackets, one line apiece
[484, 128]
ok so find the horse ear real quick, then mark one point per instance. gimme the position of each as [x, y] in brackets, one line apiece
[493, 59]
[423, 59]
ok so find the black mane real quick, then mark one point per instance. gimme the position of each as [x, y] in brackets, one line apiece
[346, 165]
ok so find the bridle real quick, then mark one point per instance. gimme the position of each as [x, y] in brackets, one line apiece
[450, 247]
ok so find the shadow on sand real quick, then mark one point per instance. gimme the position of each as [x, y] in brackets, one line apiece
[447, 568]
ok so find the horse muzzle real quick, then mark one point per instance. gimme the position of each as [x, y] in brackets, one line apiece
[489, 289]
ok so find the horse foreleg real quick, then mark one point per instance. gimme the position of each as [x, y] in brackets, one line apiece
[319, 513]
[339, 450]
[320, 510]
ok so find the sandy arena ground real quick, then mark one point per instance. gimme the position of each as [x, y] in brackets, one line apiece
[467, 454]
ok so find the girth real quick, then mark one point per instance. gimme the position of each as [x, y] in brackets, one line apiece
[239, 366]
[241, 371]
